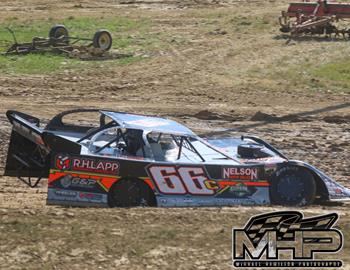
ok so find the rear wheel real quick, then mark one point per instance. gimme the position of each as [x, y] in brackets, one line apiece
[293, 186]
[102, 40]
[59, 32]
[131, 192]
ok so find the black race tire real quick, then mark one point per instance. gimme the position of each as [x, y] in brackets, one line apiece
[102, 40]
[58, 31]
[131, 193]
[293, 186]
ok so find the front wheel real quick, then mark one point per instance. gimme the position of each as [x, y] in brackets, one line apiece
[102, 40]
[293, 186]
[131, 193]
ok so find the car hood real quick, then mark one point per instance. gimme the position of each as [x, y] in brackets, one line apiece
[230, 147]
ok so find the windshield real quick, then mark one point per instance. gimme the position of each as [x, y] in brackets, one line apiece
[170, 147]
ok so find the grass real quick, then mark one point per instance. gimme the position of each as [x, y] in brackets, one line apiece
[336, 74]
[50, 63]
[240, 23]
[78, 27]
[37, 63]
[129, 35]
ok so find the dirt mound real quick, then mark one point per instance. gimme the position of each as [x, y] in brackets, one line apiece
[261, 116]
[337, 119]
[209, 115]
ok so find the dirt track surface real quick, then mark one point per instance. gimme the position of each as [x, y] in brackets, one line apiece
[215, 76]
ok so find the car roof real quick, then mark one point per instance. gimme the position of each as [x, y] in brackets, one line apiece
[148, 123]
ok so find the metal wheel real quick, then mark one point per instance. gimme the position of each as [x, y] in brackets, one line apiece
[102, 40]
[293, 185]
[131, 193]
[59, 32]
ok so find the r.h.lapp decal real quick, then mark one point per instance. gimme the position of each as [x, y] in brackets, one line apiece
[91, 165]
[65, 162]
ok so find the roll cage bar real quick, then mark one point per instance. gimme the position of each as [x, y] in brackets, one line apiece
[182, 141]
[185, 142]
[97, 130]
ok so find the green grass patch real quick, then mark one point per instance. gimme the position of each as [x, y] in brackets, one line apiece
[240, 23]
[252, 23]
[37, 63]
[335, 74]
[129, 35]
[49, 63]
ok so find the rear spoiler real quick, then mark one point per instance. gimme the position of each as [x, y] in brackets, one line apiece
[31, 148]
[26, 125]
[29, 127]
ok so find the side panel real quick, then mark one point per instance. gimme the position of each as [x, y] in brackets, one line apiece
[211, 185]
[81, 180]
[86, 180]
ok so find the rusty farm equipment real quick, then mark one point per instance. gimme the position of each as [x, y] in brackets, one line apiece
[60, 41]
[315, 18]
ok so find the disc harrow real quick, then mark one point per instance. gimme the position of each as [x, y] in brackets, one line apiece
[315, 18]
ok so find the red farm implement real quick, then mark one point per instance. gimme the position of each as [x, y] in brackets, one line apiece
[315, 18]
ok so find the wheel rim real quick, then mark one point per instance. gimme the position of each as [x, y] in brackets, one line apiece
[104, 41]
[60, 32]
[291, 188]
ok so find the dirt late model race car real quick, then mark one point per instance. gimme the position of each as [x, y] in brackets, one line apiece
[137, 160]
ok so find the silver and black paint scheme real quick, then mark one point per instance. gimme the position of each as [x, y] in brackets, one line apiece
[136, 160]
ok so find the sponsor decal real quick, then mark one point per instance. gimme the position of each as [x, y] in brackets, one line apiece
[287, 240]
[90, 196]
[270, 168]
[240, 173]
[66, 181]
[69, 181]
[338, 191]
[63, 162]
[239, 190]
[65, 193]
[98, 166]
[211, 184]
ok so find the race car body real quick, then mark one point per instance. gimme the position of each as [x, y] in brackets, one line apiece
[132, 160]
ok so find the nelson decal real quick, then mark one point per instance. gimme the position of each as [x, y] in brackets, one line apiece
[240, 173]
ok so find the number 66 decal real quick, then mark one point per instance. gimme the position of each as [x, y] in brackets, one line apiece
[182, 180]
